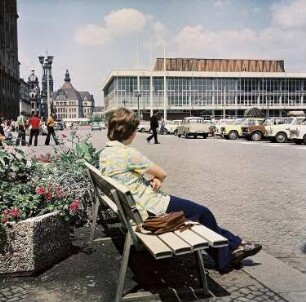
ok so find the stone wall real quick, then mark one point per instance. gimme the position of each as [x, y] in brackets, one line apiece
[31, 245]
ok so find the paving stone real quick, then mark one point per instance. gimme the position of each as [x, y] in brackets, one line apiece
[216, 163]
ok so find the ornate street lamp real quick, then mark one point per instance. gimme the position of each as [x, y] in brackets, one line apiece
[46, 62]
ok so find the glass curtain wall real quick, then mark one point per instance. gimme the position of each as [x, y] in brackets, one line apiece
[197, 92]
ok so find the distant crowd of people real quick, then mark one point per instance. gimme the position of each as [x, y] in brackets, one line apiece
[33, 124]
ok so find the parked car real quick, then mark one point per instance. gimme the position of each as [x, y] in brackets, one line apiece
[298, 133]
[171, 126]
[256, 129]
[193, 126]
[232, 131]
[218, 124]
[96, 126]
[280, 132]
[144, 126]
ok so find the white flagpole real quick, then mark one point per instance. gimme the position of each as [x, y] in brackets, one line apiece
[165, 84]
[151, 80]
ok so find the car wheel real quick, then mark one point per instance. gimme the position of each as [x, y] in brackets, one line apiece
[256, 136]
[280, 137]
[179, 135]
[233, 135]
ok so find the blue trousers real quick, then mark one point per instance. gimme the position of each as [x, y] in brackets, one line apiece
[196, 212]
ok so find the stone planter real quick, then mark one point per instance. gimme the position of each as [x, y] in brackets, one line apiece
[31, 245]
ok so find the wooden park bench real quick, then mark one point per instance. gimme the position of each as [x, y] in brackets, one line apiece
[192, 240]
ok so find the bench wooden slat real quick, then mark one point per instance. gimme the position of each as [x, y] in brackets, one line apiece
[176, 244]
[154, 245]
[110, 203]
[196, 241]
[214, 239]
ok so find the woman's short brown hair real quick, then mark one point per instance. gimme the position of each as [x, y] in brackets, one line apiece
[121, 124]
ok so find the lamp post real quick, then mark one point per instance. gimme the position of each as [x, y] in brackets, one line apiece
[268, 104]
[46, 62]
[138, 95]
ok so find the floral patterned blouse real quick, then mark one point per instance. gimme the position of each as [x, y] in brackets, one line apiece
[128, 166]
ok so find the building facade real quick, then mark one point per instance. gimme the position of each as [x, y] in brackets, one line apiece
[24, 94]
[69, 103]
[9, 65]
[218, 88]
[34, 93]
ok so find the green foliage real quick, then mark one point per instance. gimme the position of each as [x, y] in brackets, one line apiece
[46, 183]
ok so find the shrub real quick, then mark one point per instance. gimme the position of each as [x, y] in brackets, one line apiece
[46, 183]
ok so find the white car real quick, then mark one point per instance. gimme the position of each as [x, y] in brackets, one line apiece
[298, 133]
[280, 132]
[171, 126]
[218, 124]
[193, 126]
[144, 126]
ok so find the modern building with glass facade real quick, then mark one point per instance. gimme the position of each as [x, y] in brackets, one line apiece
[203, 87]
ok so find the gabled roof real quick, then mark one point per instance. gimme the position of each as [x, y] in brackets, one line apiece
[71, 92]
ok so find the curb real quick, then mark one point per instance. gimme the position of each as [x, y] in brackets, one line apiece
[279, 277]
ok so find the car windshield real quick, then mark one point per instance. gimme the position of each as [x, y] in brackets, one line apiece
[252, 122]
[193, 121]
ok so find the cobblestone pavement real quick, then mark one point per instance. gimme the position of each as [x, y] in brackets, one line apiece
[91, 277]
[255, 189]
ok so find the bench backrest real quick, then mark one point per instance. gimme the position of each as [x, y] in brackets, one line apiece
[117, 197]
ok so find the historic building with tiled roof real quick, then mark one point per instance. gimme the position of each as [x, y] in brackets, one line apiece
[69, 103]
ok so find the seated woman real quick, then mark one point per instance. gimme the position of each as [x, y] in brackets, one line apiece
[127, 166]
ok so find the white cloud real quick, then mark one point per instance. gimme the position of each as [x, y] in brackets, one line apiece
[289, 14]
[269, 43]
[92, 34]
[118, 23]
[126, 20]
[160, 34]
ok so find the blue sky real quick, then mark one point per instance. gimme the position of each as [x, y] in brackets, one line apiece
[91, 38]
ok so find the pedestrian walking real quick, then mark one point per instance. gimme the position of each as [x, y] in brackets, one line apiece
[34, 122]
[154, 126]
[162, 126]
[21, 124]
[51, 131]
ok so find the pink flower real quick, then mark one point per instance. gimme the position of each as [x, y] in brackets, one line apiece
[14, 213]
[40, 191]
[4, 216]
[48, 196]
[74, 206]
[59, 192]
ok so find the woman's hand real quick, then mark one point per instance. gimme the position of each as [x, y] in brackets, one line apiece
[155, 184]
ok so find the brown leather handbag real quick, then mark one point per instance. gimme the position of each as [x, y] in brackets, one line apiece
[164, 223]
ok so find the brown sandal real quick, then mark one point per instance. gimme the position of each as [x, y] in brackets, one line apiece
[246, 249]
